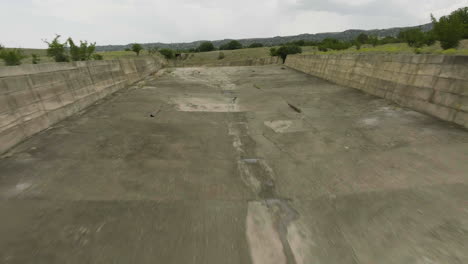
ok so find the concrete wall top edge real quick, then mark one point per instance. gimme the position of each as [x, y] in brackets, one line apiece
[26, 69]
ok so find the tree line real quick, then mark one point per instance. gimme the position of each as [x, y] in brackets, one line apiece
[448, 30]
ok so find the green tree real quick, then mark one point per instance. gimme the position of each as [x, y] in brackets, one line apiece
[167, 53]
[414, 37]
[286, 50]
[232, 45]
[256, 45]
[206, 46]
[12, 57]
[137, 48]
[462, 15]
[448, 30]
[57, 50]
[273, 52]
[221, 55]
[83, 52]
[299, 42]
[362, 38]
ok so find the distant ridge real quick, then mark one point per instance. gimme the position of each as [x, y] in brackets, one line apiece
[345, 35]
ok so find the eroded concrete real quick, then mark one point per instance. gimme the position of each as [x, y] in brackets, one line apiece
[211, 165]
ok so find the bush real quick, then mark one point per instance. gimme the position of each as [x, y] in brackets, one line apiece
[232, 45]
[167, 53]
[137, 48]
[12, 57]
[255, 45]
[57, 50]
[97, 57]
[221, 56]
[416, 38]
[35, 59]
[206, 46]
[273, 52]
[333, 44]
[83, 52]
[373, 40]
[286, 50]
[362, 38]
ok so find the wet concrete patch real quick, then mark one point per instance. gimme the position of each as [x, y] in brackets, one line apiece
[192, 104]
[286, 126]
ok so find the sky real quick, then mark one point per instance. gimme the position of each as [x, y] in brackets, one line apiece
[26, 23]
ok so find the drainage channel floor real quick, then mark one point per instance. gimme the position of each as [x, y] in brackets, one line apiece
[238, 165]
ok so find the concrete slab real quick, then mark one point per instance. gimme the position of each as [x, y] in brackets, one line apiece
[136, 178]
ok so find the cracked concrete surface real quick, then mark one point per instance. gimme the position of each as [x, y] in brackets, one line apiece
[211, 165]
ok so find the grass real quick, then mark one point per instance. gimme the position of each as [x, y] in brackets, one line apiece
[401, 48]
[42, 53]
[229, 55]
[243, 54]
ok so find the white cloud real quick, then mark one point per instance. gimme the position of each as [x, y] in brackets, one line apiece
[125, 21]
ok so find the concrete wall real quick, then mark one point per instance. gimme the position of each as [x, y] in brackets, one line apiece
[221, 63]
[433, 84]
[34, 97]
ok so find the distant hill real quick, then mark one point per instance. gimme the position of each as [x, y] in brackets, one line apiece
[346, 35]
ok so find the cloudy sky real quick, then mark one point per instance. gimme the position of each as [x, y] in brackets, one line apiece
[24, 23]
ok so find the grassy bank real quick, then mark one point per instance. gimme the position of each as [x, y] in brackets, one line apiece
[242, 54]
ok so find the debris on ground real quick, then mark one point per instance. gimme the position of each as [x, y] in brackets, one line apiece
[295, 108]
[154, 114]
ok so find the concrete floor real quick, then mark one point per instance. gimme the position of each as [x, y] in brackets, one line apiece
[211, 165]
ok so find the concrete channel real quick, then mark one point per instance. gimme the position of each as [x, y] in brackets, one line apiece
[238, 165]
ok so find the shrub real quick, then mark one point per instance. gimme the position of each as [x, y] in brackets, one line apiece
[206, 46]
[221, 55]
[373, 40]
[362, 38]
[286, 50]
[83, 52]
[448, 30]
[57, 50]
[334, 44]
[35, 59]
[416, 38]
[256, 45]
[97, 56]
[273, 52]
[137, 48]
[232, 45]
[167, 53]
[12, 57]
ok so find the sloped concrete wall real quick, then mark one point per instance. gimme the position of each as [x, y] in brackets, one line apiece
[433, 84]
[34, 97]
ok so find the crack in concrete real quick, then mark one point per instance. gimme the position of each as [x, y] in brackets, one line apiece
[259, 176]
